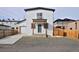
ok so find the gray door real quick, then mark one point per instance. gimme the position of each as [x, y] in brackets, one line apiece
[39, 28]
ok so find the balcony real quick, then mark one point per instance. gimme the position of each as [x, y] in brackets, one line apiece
[39, 20]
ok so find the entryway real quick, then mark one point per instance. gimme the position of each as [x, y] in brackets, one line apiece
[39, 28]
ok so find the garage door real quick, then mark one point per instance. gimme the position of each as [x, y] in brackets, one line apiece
[23, 29]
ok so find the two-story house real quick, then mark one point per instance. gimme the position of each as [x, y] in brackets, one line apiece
[39, 20]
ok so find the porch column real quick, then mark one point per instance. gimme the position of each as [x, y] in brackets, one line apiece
[33, 27]
[46, 33]
[46, 27]
[33, 31]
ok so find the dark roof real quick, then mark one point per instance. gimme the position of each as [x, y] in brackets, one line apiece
[9, 21]
[36, 8]
[21, 21]
[63, 20]
[4, 25]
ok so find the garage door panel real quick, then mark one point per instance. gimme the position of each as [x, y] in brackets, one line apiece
[23, 29]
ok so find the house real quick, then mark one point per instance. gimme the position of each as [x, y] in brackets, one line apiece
[63, 23]
[39, 21]
[9, 27]
[63, 27]
[8, 23]
[74, 25]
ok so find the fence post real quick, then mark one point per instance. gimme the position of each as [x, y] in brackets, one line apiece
[3, 33]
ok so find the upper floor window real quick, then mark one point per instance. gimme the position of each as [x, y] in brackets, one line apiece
[39, 15]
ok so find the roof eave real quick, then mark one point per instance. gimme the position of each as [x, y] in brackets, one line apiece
[37, 8]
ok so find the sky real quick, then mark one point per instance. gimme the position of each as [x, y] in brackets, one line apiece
[18, 13]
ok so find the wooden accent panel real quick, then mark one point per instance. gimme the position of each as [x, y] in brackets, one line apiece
[32, 25]
[39, 20]
[45, 25]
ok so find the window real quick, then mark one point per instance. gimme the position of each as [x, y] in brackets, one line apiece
[39, 15]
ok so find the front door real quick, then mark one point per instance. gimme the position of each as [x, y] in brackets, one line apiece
[39, 28]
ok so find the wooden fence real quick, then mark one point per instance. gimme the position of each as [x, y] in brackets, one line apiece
[58, 32]
[66, 33]
[9, 32]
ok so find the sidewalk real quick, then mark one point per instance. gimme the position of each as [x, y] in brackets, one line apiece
[11, 39]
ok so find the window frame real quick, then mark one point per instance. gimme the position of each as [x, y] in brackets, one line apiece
[39, 15]
[39, 28]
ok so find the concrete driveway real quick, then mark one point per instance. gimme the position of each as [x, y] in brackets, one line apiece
[35, 44]
[11, 39]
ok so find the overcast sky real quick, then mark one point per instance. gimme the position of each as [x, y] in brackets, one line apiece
[18, 12]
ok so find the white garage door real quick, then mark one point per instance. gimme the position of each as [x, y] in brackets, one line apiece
[23, 30]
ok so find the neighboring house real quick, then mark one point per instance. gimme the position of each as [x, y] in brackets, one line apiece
[64, 23]
[39, 20]
[74, 25]
[8, 24]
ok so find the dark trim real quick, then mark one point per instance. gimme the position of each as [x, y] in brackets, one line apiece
[36, 8]
[4, 25]
[21, 21]
[13, 21]
[8, 21]
[63, 20]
